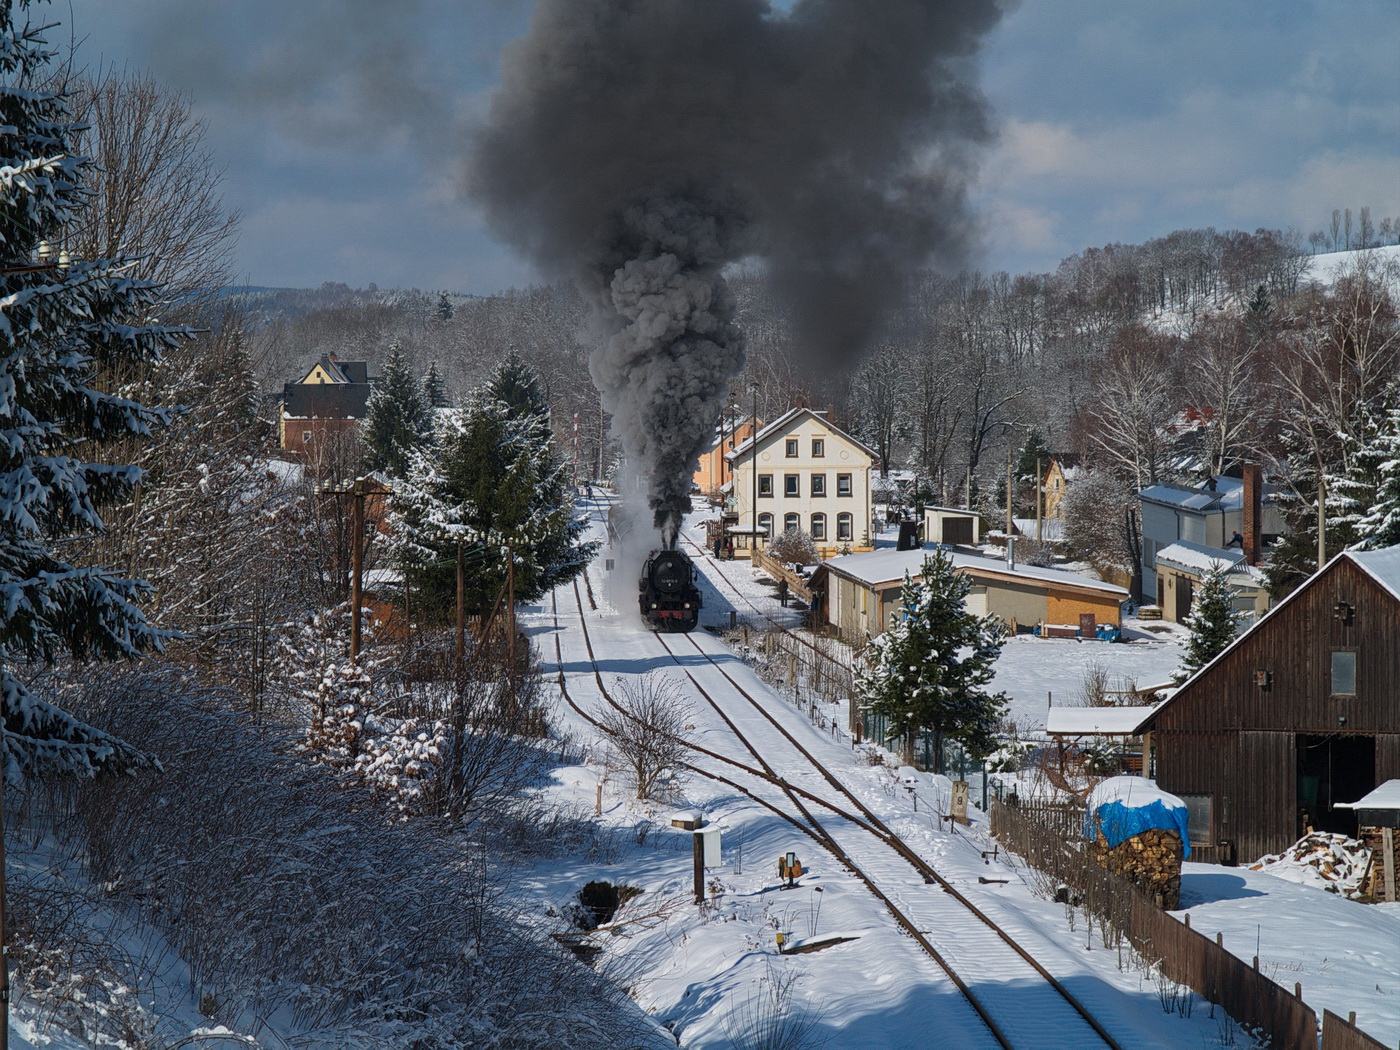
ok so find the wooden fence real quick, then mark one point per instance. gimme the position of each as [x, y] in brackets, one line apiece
[1049, 839]
[1339, 1034]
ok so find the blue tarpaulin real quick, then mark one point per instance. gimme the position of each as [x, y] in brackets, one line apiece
[1120, 816]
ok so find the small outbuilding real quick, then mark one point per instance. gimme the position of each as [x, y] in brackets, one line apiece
[858, 593]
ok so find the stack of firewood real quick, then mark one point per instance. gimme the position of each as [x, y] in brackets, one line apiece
[1150, 859]
[1382, 881]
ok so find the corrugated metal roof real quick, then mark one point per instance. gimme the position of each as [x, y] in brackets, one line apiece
[1383, 566]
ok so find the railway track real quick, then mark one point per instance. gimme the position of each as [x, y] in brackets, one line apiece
[1020, 1006]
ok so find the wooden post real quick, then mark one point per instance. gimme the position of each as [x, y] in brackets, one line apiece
[1321, 521]
[698, 855]
[510, 612]
[357, 568]
[1008, 493]
[1388, 849]
[1039, 527]
[461, 605]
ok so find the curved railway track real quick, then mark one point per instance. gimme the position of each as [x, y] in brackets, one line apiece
[966, 931]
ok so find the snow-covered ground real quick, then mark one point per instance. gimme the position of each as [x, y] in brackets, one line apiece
[698, 971]
[702, 972]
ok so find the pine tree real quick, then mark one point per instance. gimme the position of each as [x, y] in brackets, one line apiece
[58, 325]
[930, 669]
[492, 481]
[399, 419]
[516, 385]
[444, 307]
[1379, 526]
[435, 388]
[1212, 622]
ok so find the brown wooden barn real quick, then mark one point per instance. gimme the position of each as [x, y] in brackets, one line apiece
[1299, 714]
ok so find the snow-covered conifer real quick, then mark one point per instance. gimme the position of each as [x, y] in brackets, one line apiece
[435, 388]
[493, 482]
[1213, 622]
[1379, 525]
[61, 319]
[929, 670]
[399, 417]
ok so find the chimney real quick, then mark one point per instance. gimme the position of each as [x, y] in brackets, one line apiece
[1253, 496]
[1011, 552]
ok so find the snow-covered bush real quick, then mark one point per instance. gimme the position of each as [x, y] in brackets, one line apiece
[288, 897]
[794, 546]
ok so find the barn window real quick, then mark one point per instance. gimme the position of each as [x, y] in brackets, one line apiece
[1343, 672]
[1198, 818]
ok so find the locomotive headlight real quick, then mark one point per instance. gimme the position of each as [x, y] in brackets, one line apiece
[653, 605]
[687, 605]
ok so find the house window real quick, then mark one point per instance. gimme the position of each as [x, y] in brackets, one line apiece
[818, 526]
[818, 448]
[765, 484]
[1343, 672]
[305, 436]
[1198, 819]
[791, 522]
[792, 448]
[843, 484]
[845, 527]
[765, 522]
[792, 485]
[818, 485]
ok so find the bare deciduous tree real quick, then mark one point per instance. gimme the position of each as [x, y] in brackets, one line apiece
[648, 727]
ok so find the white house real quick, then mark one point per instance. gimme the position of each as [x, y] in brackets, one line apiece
[801, 472]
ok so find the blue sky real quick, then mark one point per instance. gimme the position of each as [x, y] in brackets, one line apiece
[341, 123]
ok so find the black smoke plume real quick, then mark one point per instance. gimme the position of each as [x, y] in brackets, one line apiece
[640, 146]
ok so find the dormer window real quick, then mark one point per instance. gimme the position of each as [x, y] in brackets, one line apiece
[818, 448]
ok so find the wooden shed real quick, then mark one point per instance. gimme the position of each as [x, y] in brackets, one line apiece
[1297, 716]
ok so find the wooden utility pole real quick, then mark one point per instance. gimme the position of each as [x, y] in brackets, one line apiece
[1321, 521]
[1039, 528]
[461, 605]
[510, 610]
[357, 566]
[1008, 492]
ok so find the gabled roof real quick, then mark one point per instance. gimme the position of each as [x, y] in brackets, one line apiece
[784, 423]
[326, 400]
[888, 566]
[1383, 566]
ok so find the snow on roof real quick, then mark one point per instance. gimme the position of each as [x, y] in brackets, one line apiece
[889, 566]
[1383, 566]
[1387, 796]
[1226, 494]
[1096, 721]
[1133, 793]
[962, 511]
[1197, 557]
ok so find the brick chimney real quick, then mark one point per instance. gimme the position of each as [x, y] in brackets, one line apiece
[1253, 513]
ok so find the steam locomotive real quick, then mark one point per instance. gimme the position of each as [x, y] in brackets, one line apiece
[669, 598]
